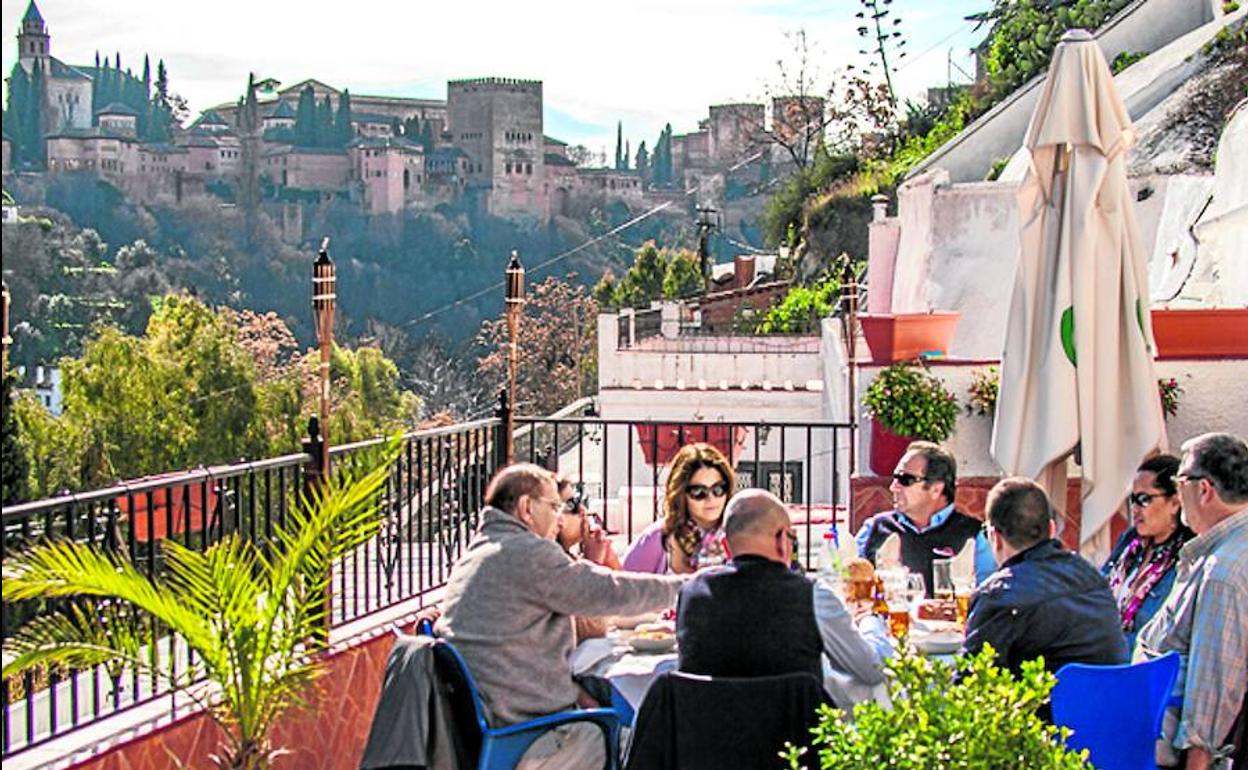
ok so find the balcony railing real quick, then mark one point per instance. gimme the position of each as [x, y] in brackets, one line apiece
[431, 502]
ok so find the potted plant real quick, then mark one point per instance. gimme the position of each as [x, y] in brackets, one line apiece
[894, 337]
[972, 713]
[906, 402]
[983, 391]
[253, 614]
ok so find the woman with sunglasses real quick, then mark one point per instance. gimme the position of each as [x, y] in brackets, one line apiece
[1142, 565]
[580, 532]
[689, 535]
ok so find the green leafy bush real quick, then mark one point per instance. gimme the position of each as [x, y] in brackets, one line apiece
[982, 717]
[1125, 59]
[909, 401]
[800, 310]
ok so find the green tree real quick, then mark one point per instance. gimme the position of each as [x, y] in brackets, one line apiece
[619, 145]
[342, 121]
[252, 615]
[15, 120]
[325, 123]
[34, 128]
[683, 276]
[14, 468]
[642, 163]
[305, 118]
[801, 309]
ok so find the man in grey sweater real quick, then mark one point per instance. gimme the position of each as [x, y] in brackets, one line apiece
[508, 609]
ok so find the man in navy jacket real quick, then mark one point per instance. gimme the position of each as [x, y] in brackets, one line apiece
[1043, 600]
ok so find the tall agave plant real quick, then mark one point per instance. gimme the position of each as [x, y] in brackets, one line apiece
[253, 615]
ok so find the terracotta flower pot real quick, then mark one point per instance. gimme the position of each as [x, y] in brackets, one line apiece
[1201, 333]
[894, 337]
[886, 449]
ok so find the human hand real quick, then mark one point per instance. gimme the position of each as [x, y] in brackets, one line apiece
[595, 544]
[430, 614]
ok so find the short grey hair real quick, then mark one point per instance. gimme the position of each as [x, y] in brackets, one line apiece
[1223, 459]
[749, 512]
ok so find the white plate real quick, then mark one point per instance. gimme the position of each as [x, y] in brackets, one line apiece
[941, 643]
[643, 644]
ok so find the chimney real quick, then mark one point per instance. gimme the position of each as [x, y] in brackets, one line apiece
[742, 271]
[879, 207]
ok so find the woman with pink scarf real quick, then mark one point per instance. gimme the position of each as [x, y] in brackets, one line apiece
[1141, 568]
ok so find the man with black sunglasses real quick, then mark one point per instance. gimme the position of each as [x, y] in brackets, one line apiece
[923, 516]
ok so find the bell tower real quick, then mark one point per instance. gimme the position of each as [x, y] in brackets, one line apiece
[33, 42]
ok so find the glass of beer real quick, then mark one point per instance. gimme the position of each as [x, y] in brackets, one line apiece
[898, 619]
[962, 594]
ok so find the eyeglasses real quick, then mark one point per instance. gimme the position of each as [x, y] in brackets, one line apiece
[908, 479]
[554, 504]
[1183, 478]
[572, 506]
[702, 491]
[1143, 499]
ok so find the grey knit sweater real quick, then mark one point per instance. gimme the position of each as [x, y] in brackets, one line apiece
[508, 606]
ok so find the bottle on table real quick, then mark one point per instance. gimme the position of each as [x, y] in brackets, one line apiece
[831, 570]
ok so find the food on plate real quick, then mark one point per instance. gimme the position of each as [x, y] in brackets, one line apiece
[859, 579]
[938, 609]
[657, 630]
[941, 627]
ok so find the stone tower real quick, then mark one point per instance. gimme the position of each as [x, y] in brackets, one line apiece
[497, 122]
[33, 41]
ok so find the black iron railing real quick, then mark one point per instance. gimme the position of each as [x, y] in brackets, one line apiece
[431, 502]
[621, 465]
[196, 509]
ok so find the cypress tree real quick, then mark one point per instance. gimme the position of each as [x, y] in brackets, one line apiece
[619, 144]
[643, 162]
[15, 120]
[305, 118]
[325, 123]
[37, 155]
[628, 151]
[342, 122]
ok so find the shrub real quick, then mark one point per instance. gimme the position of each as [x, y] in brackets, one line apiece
[800, 310]
[1169, 391]
[909, 401]
[972, 714]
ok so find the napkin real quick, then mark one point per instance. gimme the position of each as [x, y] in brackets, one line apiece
[889, 554]
[963, 567]
[588, 653]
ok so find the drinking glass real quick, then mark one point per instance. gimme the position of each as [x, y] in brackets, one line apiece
[916, 589]
[942, 579]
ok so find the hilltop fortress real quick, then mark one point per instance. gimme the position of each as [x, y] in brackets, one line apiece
[484, 146]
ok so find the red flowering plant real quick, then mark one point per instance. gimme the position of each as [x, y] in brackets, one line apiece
[1169, 390]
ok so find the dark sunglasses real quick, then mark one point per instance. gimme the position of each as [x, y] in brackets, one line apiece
[1143, 499]
[908, 479]
[702, 491]
[572, 506]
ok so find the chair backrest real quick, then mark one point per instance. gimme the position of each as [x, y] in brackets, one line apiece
[691, 722]
[1115, 712]
[467, 711]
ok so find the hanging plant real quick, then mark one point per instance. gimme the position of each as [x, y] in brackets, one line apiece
[1169, 391]
[984, 389]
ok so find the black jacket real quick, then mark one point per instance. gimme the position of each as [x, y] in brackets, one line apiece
[1047, 601]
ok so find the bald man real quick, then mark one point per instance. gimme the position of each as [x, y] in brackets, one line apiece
[754, 617]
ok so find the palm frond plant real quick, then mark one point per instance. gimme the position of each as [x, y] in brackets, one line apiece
[253, 615]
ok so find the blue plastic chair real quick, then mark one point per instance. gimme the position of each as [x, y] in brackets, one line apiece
[501, 748]
[1115, 712]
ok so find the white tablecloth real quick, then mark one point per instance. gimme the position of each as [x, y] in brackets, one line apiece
[612, 658]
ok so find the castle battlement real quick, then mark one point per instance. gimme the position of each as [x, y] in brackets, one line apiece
[490, 83]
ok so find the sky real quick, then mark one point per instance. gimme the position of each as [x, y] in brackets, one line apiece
[642, 62]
